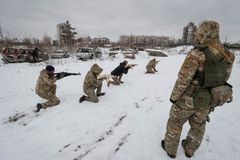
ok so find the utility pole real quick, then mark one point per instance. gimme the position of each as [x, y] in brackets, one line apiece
[1, 34]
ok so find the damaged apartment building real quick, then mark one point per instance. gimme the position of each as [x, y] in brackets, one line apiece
[188, 34]
[66, 34]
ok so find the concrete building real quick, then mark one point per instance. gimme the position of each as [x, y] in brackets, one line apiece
[100, 41]
[144, 41]
[66, 34]
[189, 33]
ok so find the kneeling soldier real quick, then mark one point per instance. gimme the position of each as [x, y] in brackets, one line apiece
[151, 66]
[46, 88]
[91, 83]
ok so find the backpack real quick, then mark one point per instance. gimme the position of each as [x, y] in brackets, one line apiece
[213, 90]
[221, 94]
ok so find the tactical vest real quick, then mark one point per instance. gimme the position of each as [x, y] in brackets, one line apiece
[215, 69]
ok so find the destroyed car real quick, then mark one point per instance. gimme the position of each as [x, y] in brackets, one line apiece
[59, 54]
[18, 55]
[85, 53]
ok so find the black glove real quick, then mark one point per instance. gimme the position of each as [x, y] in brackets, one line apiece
[172, 101]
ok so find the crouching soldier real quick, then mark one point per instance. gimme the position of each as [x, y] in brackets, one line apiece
[151, 66]
[110, 79]
[91, 83]
[202, 77]
[46, 88]
[118, 72]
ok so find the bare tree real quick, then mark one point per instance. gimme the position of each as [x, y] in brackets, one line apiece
[46, 43]
[28, 42]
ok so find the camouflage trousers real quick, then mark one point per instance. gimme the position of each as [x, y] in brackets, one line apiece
[150, 70]
[50, 96]
[92, 95]
[178, 116]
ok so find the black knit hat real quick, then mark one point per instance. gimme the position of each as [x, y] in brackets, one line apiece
[125, 62]
[50, 68]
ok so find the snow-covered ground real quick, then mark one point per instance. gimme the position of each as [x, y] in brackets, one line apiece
[127, 124]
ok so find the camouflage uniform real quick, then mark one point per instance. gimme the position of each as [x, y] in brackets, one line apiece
[46, 88]
[182, 109]
[91, 84]
[151, 66]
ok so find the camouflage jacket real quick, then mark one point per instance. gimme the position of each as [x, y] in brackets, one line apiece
[44, 82]
[152, 63]
[90, 81]
[193, 62]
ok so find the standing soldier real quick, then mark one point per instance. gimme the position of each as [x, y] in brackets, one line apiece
[46, 88]
[206, 67]
[151, 66]
[35, 53]
[91, 83]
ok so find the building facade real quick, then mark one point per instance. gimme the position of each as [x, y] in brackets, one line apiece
[189, 33]
[66, 34]
[145, 41]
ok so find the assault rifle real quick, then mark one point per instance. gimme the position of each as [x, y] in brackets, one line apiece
[65, 74]
[131, 65]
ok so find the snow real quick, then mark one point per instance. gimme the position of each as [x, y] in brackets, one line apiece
[128, 123]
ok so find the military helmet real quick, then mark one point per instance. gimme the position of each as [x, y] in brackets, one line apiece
[207, 31]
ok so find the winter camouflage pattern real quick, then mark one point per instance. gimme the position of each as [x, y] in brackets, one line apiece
[221, 95]
[182, 109]
[177, 118]
[208, 32]
[46, 88]
[151, 66]
[91, 83]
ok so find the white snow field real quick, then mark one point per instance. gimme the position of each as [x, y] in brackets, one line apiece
[128, 123]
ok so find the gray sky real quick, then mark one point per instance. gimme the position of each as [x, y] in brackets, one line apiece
[112, 18]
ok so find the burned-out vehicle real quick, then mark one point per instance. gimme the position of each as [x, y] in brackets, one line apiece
[59, 54]
[18, 55]
[86, 53]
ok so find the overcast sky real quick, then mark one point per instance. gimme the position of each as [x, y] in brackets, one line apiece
[112, 18]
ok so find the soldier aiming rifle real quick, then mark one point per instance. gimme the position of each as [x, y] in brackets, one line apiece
[151, 66]
[46, 87]
[119, 71]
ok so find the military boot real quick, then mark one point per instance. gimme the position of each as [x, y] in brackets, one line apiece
[38, 107]
[163, 146]
[184, 146]
[100, 94]
[83, 98]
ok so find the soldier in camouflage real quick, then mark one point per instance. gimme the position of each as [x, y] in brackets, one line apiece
[46, 88]
[151, 66]
[91, 83]
[182, 97]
